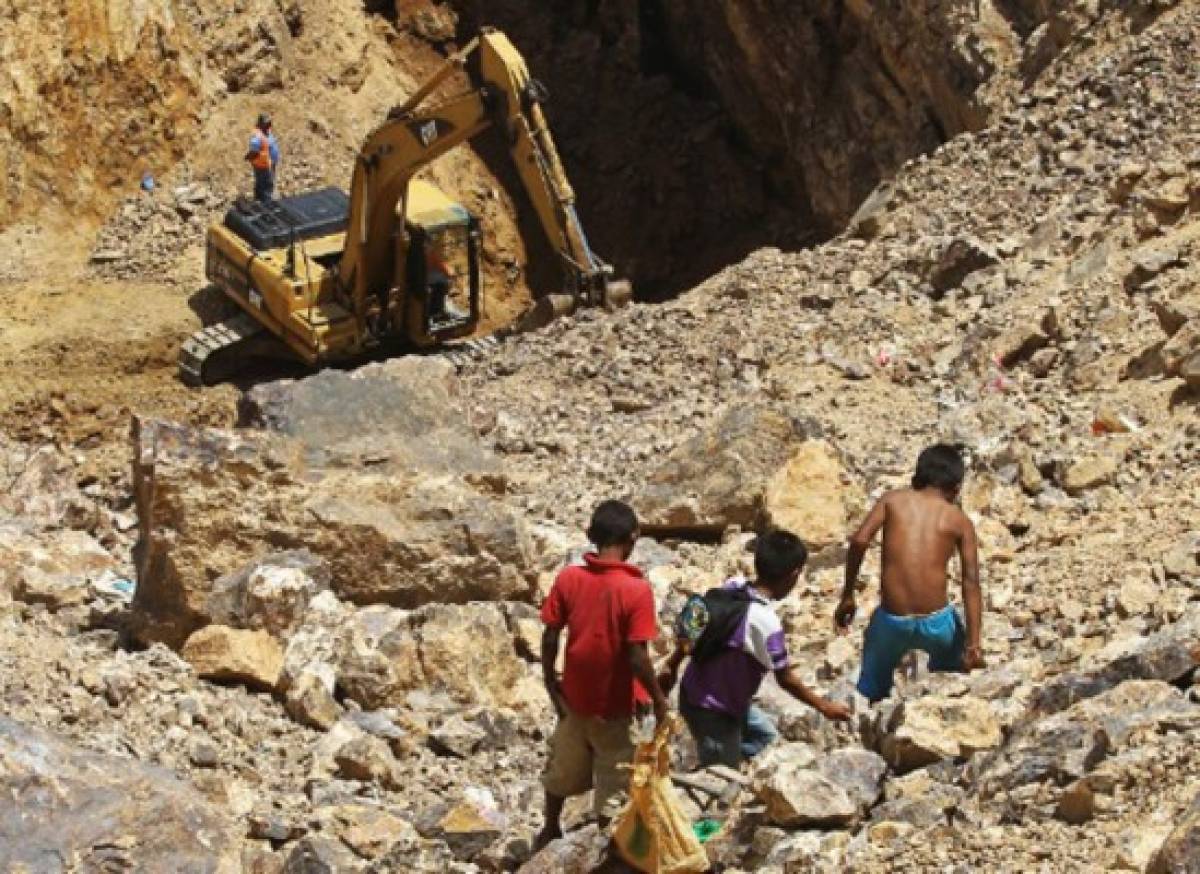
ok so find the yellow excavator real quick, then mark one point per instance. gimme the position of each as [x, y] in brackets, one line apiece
[330, 277]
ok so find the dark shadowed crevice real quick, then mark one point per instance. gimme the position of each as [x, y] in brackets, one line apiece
[667, 187]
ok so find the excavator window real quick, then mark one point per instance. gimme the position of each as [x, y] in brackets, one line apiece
[451, 275]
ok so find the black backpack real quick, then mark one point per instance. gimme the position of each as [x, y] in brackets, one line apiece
[719, 612]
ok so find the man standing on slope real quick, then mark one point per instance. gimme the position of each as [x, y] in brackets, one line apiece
[923, 527]
[607, 610]
[264, 158]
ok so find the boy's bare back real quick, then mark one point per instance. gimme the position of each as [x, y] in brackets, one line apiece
[922, 529]
[921, 532]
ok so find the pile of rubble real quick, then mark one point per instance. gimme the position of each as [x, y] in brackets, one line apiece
[328, 661]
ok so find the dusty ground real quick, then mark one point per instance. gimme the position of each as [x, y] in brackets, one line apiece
[81, 353]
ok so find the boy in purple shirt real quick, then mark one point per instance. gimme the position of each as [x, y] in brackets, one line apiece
[718, 687]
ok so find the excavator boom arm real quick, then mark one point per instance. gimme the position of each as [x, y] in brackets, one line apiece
[537, 159]
[390, 157]
[412, 138]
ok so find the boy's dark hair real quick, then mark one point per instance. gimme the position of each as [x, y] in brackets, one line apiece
[940, 466]
[777, 554]
[613, 523]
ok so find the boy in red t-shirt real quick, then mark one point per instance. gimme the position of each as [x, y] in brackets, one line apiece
[607, 608]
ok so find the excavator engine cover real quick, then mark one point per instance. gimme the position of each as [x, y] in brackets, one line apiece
[276, 223]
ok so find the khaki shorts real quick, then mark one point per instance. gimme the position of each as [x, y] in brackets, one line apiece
[585, 753]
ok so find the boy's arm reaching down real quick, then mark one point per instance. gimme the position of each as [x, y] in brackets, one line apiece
[643, 671]
[550, 636]
[968, 551]
[790, 682]
[859, 542]
[669, 672]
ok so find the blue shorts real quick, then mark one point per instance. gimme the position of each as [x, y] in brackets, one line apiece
[942, 634]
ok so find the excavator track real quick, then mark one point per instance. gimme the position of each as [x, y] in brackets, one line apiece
[463, 353]
[217, 352]
[212, 354]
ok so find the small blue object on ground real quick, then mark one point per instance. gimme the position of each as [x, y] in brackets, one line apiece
[147, 181]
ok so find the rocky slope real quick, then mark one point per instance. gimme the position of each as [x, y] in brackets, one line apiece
[332, 636]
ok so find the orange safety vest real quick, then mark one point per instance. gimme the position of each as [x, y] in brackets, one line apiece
[262, 161]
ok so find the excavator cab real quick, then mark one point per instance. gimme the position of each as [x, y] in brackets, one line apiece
[442, 265]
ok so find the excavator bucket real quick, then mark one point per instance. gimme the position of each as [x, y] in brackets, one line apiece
[543, 311]
[617, 294]
[546, 309]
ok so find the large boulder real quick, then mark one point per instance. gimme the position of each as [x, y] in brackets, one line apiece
[418, 542]
[1168, 655]
[925, 730]
[40, 486]
[370, 831]
[919, 798]
[309, 676]
[858, 772]
[218, 652]
[271, 594]
[60, 804]
[407, 414]
[752, 466]
[796, 798]
[466, 654]
[803, 787]
[1068, 745]
[716, 478]
[210, 502]
[813, 495]
[50, 567]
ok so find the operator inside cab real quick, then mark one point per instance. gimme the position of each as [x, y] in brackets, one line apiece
[439, 277]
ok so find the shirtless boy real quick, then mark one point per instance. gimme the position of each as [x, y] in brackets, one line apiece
[922, 529]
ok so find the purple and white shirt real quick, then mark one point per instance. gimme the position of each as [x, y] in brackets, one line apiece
[728, 682]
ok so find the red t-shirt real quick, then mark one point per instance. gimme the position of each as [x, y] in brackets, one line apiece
[604, 605]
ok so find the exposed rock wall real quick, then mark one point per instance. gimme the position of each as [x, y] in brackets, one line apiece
[406, 510]
[66, 807]
[88, 91]
[836, 94]
[738, 123]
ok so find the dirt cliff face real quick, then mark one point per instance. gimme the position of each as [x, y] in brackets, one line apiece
[835, 95]
[694, 130]
[90, 93]
[666, 185]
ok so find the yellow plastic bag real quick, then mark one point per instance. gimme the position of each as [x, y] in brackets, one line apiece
[653, 835]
